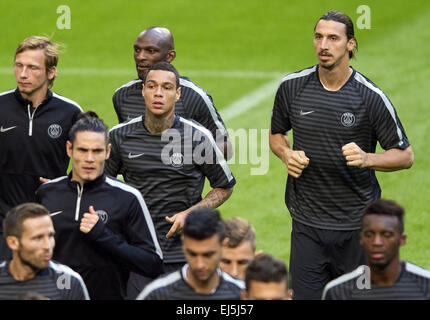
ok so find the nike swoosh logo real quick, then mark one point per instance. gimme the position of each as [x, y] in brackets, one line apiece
[305, 113]
[6, 129]
[131, 156]
[55, 213]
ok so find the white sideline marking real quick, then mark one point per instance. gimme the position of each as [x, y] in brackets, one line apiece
[249, 100]
[236, 108]
[232, 74]
[132, 73]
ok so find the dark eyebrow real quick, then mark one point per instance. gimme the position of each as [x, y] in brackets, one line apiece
[191, 251]
[202, 253]
[168, 82]
[164, 83]
[87, 149]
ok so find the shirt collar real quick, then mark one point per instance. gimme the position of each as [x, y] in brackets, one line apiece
[26, 102]
[88, 185]
[184, 276]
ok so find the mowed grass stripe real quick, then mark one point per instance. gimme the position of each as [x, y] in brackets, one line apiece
[189, 73]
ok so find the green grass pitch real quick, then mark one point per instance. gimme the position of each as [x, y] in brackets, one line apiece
[232, 48]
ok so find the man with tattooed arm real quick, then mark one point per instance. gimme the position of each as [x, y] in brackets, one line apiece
[168, 157]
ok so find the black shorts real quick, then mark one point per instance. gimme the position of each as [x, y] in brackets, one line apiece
[319, 256]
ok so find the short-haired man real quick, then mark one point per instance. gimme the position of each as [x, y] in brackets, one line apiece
[34, 122]
[156, 44]
[29, 234]
[200, 278]
[337, 116]
[239, 248]
[266, 278]
[385, 277]
[103, 228]
[167, 158]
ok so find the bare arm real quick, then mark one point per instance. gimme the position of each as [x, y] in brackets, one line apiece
[214, 198]
[390, 160]
[295, 160]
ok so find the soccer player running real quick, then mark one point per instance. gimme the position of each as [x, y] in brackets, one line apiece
[34, 122]
[337, 116]
[103, 227]
[29, 234]
[167, 158]
[200, 278]
[386, 276]
[153, 45]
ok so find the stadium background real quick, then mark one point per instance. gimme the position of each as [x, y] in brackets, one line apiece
[238, 51]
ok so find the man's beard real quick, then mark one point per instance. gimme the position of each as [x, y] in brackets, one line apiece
[28, 263]
[380, 266]
[328, 67]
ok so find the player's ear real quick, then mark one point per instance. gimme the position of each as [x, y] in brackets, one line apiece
[51, 73]
[178, 94]
[289, 294]
[143, 89]
[403, 239]
[69, 148]
[108, 149]
[12, 242]
[351, 44]
[258, 253]
[171, 55]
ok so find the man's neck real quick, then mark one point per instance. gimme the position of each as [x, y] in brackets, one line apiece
[36, 98]
[206, 287]
[20, 271]
[156, 124]
[334, 79]
[387, 276]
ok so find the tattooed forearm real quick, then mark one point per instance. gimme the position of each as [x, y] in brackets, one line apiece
[215, 198]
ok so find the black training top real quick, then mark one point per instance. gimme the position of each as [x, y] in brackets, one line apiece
[329, 194]
[32, 144]
[56, 282]
[122, 240]
[169, 170]
[412, 284]
[174, 286]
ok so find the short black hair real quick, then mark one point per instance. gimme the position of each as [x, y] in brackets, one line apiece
[88, 121]
[201, 224]
[338, 16]
[163, 65]
[388, 208]
[266, 268]
[14, 220]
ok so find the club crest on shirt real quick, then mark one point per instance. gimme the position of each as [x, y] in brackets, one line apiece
[102, 215]
[347, 119]
[177, 160]
[54, 131]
